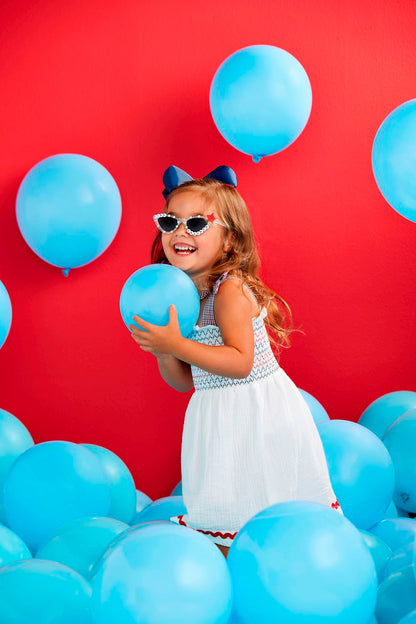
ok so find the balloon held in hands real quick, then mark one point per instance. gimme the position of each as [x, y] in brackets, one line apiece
[150, 291]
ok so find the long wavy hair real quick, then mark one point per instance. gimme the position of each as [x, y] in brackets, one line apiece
[242, 260]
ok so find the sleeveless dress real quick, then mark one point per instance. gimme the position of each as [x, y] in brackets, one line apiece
[247, 443]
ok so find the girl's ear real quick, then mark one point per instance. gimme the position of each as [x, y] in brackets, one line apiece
[229, 241]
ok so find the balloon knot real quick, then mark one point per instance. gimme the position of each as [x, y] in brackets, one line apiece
[257, 158]
[65, 272]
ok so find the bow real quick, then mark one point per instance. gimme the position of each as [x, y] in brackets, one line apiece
[174, 177]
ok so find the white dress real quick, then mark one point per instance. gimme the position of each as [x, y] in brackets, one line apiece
[247, 443]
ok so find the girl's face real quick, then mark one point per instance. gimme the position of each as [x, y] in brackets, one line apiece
[194, 254]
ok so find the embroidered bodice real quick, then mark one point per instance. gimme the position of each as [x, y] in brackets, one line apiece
[209, 333]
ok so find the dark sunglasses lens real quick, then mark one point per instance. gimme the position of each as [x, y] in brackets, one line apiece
[167, 224]
[196, 224]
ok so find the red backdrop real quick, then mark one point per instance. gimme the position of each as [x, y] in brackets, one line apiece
[127, 84]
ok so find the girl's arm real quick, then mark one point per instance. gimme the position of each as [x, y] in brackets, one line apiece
[177, 374]
[233, 312]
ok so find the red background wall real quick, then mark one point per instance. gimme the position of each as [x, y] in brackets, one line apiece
[127, 83]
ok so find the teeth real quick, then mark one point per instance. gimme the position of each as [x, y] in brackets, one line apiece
[183, 248]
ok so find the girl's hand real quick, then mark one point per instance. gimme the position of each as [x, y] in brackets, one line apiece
[161, 341]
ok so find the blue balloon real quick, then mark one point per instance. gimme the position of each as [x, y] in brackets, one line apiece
[319, 413]
[400, 441]
[123, 490]
[150, 291]
[142, 501]
[394, 162]
[162, 573]
[50, 485]
[177, 490]
[409, 619]
[81, 543]
[161, 509]
[385, 410]
[396, 532]
[299, 562]
[396, 596]
[12, 548]
[400, 558]
[5, 314]
[68, 210]
[39, 591]
[360, 469]
[379, 551]
[260, 100]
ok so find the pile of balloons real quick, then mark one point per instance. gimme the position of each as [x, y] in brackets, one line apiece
[79, 543]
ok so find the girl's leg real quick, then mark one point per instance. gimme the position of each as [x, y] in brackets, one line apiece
[223, 549]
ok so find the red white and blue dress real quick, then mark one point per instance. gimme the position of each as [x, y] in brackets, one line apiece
[247, 443]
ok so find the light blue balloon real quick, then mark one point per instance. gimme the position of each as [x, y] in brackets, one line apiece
[301, 562]
[81, 543]
[396, 532]
[318, 411]
[123, 490]
[400, 558]
[360, 469]
[150, 291]
[14, 440]
[162, 573]
[68, 209]
[260, 100]
[12, 548]
[400, 441]
[161, 509]
[382, 412]
[409, 619]
[394, 159]
[5, 314]
[50, 485]
[177, 490]
[39, 591]
[391, 512]
[396, 596]
[142, 501]
[379, 551]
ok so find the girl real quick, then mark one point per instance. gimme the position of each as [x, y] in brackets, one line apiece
[249, 439]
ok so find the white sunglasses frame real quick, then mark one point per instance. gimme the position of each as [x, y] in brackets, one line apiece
[184, 222]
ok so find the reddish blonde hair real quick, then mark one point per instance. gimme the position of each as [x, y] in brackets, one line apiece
[242, 260]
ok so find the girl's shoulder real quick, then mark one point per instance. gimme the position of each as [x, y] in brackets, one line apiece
[231, 287]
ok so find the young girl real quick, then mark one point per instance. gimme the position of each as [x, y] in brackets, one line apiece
[249, 439]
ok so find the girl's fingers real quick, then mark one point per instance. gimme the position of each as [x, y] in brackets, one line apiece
[142, 322]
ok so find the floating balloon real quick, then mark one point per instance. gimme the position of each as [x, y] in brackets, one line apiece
[360, 469]
[260, 100]
[162, 573]
[150, 291]
[5, 314]
[68, 210]
[394, 159]
[161, 509]
[119, 477]
[396, 596]
[300, 562]
[81, 543]
[382, 412]
[400, 441]
[318, 411]
[39, 591]
[50, 485]
[12, 548]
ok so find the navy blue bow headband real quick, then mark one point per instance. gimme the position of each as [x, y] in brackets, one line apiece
[174, 177]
